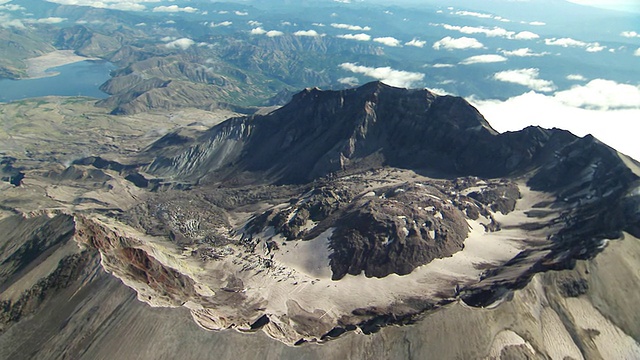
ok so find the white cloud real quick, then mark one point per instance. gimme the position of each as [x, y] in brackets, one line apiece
[611, 127]
[600, 94]
[274, 33]
[11, 7]
[351, 27]
[386, 74]
[474, 14]
[169, 22]
[629, 34]
[526, 77]
[450, 43]
[523, 52]
[569, 42]
[637, 52]
[595, 47]
[526, 35]
[6, 21]
[388, 40]
[49, 20]
[417, 43]
[576, 77]
[254, 23]
[124, 5]
[307, 33]
[537, 23]
[183, 43]
[224, 23]
[359, 37]
[493, 32]
[241, 13]
[442, 66]
[483, 59]
[565, 42]
[319, 24]
[141, 24]
[351, 81]
[270, 33]
[174, 9]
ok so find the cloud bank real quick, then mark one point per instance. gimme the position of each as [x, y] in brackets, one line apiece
[532, 108]
[601, 94]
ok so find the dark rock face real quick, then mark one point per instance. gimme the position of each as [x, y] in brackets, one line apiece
[9, 173]
[501, 198]
[321, 132]
[394, 233]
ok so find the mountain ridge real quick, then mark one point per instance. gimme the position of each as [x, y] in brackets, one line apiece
[320, 132]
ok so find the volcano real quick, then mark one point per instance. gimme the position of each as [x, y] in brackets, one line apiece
[340, 214]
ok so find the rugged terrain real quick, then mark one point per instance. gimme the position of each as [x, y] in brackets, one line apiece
[341, 212]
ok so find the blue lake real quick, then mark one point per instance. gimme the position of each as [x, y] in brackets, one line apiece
[78, 79]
